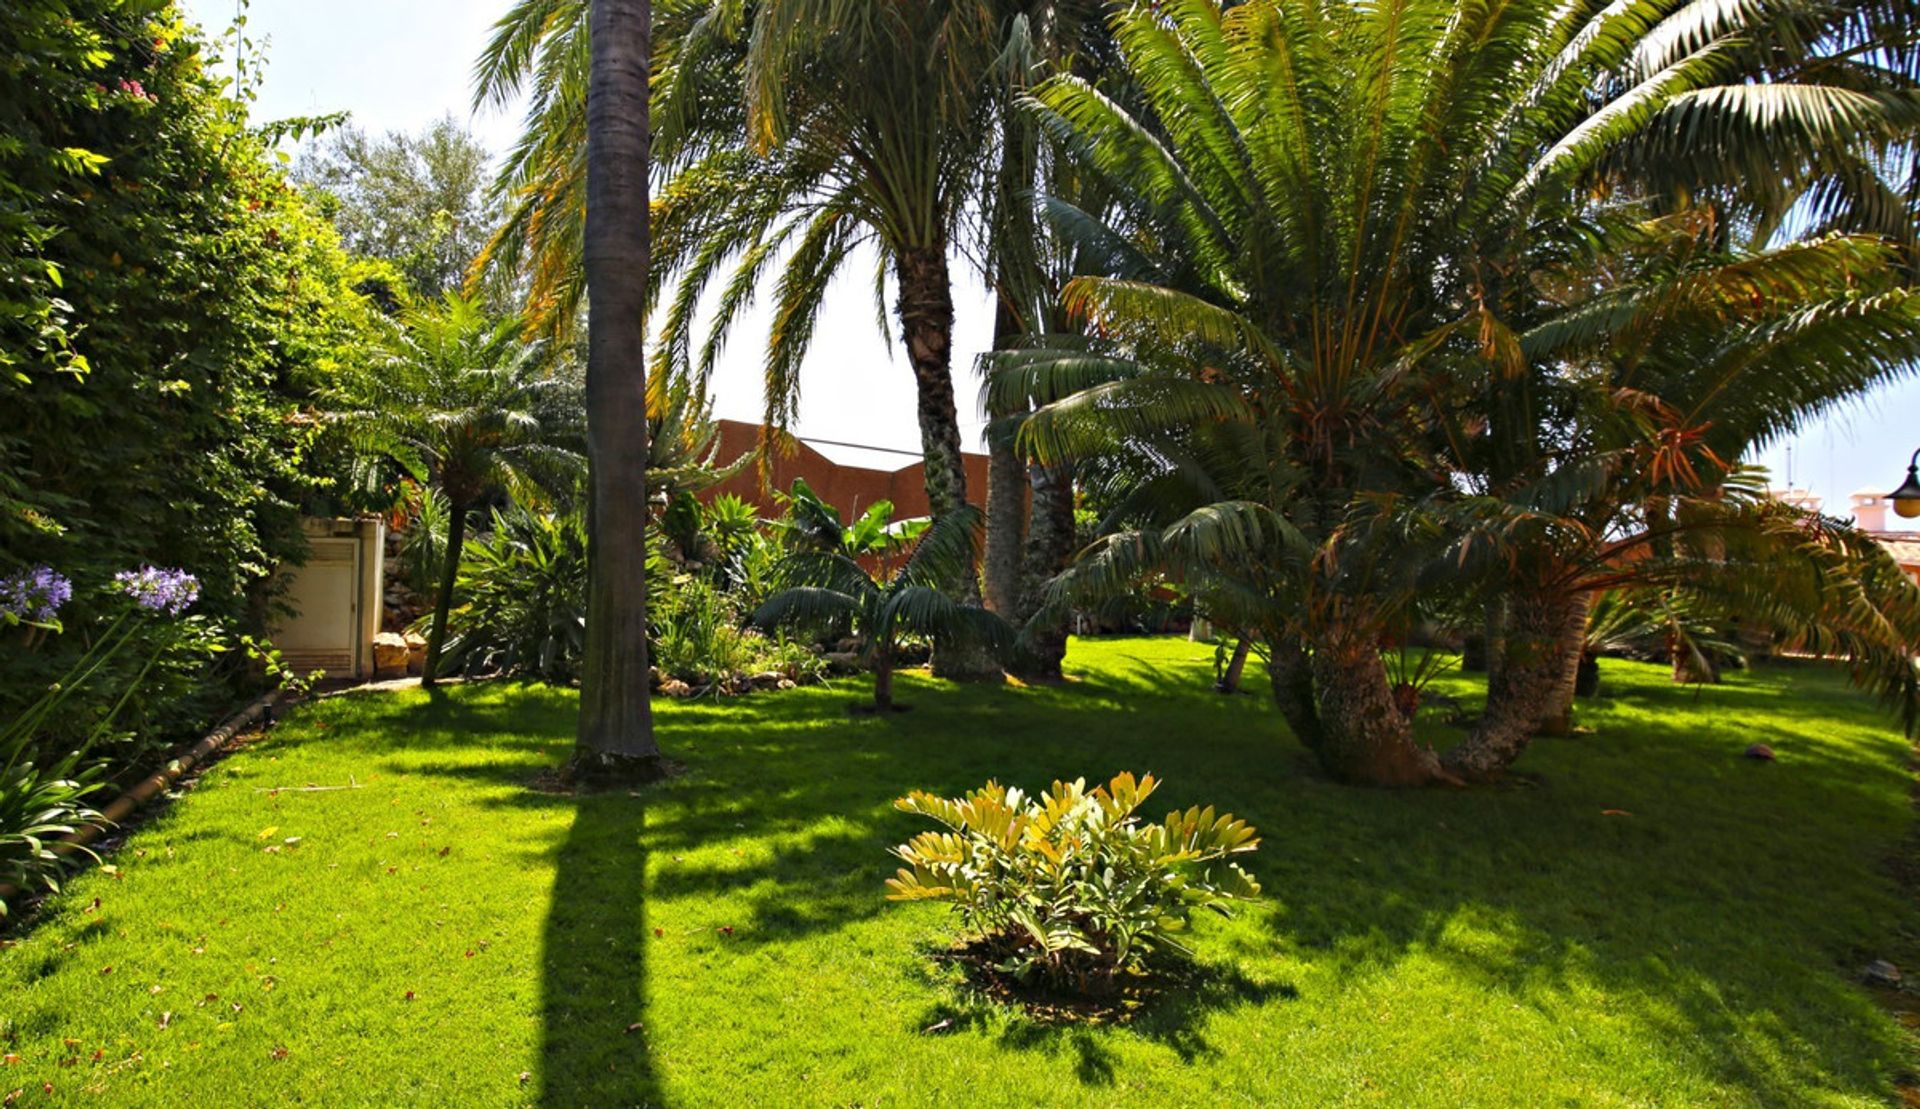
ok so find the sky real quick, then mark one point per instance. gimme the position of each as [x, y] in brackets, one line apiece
[855, 388]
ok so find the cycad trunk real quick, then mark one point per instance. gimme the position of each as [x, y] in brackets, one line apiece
[926, 324]
[1527, 677]
[615, 739]
[437, 632]
[1364, 737]
[1050, 539]
[1290, 672]
[1558, 719]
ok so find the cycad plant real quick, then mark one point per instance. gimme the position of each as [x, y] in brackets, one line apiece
[1610, 460]
[524, 599]
[833, 590]
[1071, 888]
[1330, 225]
[461, 402]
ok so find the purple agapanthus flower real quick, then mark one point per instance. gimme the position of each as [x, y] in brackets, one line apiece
[168, 591]
[35, 594]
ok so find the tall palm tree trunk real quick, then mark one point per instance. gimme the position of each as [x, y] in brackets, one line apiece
[615, 740]
[1050, 542]
[1531, 669]
[437, 633]
[1007, 503]
[883, 681]
[926, 325]
[1007, 507]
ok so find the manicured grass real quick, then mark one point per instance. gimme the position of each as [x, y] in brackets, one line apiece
[445, 935]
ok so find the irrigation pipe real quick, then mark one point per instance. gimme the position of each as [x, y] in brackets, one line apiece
[149, 787]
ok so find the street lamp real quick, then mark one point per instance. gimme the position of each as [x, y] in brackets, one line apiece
[1906, 499]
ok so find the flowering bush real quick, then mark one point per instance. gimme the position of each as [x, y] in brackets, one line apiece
[49, 769]
[34, 596]
[168, 591]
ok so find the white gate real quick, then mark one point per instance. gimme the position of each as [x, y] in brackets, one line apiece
[336, 599]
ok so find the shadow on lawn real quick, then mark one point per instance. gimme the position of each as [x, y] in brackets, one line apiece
[1708, 917]
[593, 963]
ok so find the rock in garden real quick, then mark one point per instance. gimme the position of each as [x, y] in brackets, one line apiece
[416, 653]
[768, 680]
[1883, 974]
[674, 687]
[1760, 751]
[390, 655]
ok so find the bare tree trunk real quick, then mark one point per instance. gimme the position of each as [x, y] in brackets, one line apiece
[1364, 738]
[1236, 666]
[616, 739]
[1526, 678]
[883, 682]
[926, 323]
[437, 633]
[1558, 719]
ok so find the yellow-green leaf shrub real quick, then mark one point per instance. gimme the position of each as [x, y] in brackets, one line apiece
[1071, 887]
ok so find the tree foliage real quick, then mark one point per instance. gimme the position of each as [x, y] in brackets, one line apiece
[168, 307]
[420, 202]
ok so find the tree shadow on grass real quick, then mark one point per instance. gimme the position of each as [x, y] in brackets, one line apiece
[1703, 919]
[1174, 1017]
[595, 1034]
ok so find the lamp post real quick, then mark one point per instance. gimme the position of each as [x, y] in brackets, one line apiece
[1906, 499]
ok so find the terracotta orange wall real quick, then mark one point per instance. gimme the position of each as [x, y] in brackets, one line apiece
[848, 488]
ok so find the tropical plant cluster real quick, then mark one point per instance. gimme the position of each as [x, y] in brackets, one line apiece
[1420, 312]
[1352, 320]
[1071, 889]
[735, 603]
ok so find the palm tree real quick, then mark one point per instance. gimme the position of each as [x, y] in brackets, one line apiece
[834, 590]
[795, 132]
[615, 740]
[458, 401]
[1329, 222]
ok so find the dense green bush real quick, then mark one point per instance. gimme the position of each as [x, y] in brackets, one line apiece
[523, 585]
[167, 306]
[1070, 888]
[522, 607]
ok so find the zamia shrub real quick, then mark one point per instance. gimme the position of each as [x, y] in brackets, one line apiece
[1071, 888]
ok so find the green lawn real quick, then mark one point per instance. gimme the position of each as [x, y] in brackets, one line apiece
[446, 935]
